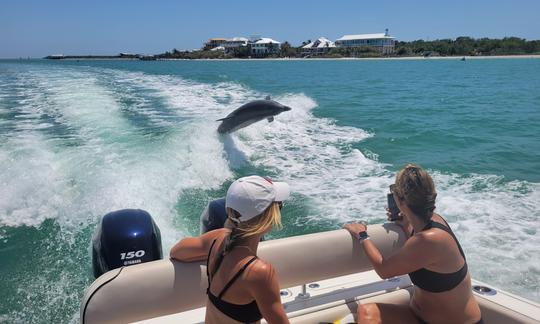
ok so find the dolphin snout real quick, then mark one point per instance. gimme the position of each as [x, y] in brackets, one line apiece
[285, 108]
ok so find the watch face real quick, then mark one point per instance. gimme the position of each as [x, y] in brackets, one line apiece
[363, 235]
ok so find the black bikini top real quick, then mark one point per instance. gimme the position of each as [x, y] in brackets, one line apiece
[435, 281]
[247, 313]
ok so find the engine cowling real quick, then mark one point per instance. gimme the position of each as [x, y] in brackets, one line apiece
[123, 238]
[213, 216]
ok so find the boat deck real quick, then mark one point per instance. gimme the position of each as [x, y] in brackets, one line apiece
[334, 301]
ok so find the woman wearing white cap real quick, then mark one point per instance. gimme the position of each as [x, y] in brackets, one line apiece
[241, 287]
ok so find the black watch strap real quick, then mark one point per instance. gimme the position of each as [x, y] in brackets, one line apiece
[363, 235]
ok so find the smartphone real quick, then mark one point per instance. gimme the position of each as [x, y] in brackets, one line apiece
[392, 206]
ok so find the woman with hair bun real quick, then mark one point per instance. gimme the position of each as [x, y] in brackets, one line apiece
[431, 256]
[241, 287]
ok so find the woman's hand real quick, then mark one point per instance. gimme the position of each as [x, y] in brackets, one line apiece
[402, 221]
[355, 228]
[389, 216]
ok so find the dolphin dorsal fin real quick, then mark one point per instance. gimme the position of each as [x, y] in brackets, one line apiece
[267, 98]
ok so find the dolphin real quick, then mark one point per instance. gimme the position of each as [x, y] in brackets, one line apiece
[250, 113]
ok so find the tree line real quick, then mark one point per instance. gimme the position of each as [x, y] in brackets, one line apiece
[461, 46]
[469, 46]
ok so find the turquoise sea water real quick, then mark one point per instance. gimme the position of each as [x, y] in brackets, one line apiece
[80, 139]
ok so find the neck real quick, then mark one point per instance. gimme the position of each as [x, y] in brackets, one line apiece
[251, 243]
[417, 223]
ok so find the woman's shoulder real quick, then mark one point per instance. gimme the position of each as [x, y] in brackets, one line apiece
[215, 234]
[437, 236]
[260, 272]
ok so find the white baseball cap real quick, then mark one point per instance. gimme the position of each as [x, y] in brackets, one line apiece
[250, 196]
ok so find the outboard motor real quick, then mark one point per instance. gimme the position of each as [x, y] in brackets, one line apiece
[213, 216]
[125, 237]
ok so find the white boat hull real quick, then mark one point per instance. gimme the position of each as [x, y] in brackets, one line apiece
[167, 291]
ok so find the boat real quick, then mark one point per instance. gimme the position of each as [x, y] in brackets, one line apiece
[323, 276]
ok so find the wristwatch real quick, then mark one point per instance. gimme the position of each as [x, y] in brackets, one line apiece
[362, 236]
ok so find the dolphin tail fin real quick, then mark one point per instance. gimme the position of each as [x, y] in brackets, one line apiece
[270, 119]
[267, 98]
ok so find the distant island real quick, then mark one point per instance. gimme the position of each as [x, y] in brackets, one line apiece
[102, 57]
[379, 46]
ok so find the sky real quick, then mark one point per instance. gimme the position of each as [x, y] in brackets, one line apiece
[31, 28]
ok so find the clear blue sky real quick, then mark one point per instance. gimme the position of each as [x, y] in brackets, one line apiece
[38, 28]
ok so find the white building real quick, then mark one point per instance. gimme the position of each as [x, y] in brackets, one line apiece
[319, 46]
[213, 43]
[235, 42]
[264, 47]
[382, 42]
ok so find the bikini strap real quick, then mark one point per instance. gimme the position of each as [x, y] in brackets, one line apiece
[448, 230]
[228, 285]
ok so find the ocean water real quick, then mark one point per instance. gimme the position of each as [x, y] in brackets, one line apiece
[81, 138]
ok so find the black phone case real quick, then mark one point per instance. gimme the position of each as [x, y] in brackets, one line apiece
[392, 206]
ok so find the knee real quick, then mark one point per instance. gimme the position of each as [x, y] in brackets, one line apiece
[368, 313]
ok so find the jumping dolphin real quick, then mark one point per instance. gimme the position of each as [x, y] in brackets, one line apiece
[251, 113]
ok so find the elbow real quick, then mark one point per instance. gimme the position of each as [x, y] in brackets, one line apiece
[177, 257]
[176, 253]
[174, 256]
[383, 273]
[185, 256]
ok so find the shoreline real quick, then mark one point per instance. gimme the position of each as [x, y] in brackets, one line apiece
[528, 56]
[484, 57]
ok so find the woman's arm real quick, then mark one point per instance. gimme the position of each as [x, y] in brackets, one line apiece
[195, 248]
[416, 253]
[264, 287]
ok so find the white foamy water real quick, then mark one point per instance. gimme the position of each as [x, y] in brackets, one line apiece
[115, 167]
[116, 164]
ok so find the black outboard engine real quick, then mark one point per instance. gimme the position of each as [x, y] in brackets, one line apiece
[125, 237]
[213, 216]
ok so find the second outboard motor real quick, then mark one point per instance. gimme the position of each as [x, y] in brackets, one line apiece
[125, 237]
[213, 216]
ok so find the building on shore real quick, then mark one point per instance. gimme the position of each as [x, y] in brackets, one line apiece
[236, 45]
[381, 42]
[264, 47]
[235, 42]
[320, 46]
[213, 43]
